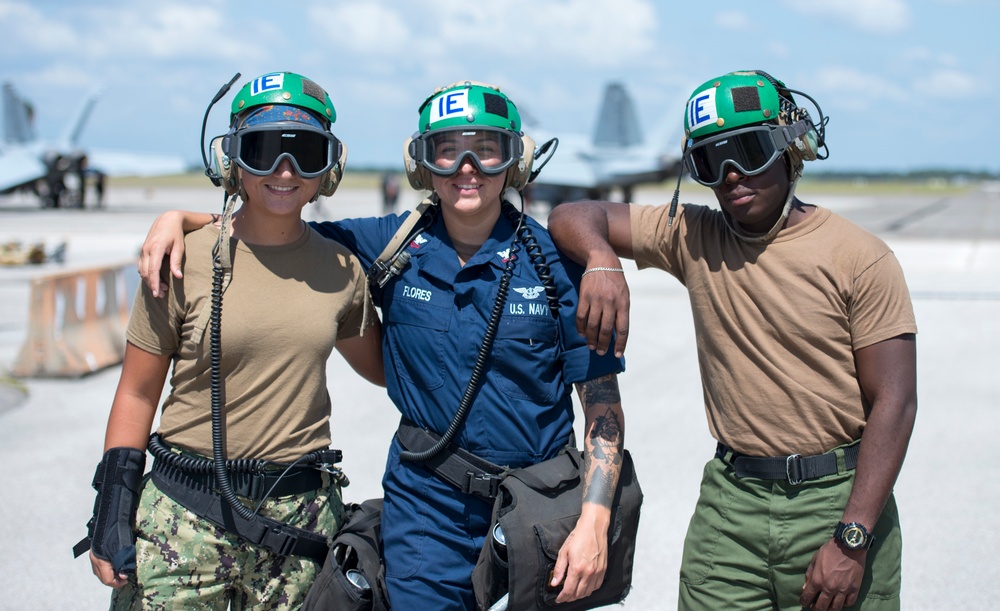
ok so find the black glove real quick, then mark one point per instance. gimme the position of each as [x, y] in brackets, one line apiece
[118, 481]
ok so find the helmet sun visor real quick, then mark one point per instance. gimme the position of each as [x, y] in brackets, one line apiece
[751, 150]
[260, 149]
[491, 150]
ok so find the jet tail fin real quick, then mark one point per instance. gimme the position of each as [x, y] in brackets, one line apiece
[74, 128]
[617, 122]
[18, 117]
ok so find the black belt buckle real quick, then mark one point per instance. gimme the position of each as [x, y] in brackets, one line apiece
[481, 484]
[284, 541]
[793, 469]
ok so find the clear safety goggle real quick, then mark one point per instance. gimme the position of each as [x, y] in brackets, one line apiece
[491, 150]
[259, 149]
[751, 150]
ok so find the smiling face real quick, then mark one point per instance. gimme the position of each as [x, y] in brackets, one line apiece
[469, 193]
[755, 202]
[281, 194]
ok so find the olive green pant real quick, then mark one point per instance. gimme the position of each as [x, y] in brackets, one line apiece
[750, 542]
[185, 562]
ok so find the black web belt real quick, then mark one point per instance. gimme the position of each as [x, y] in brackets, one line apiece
[191, 491]
[458, 467]
[254, 486]
[794, 469]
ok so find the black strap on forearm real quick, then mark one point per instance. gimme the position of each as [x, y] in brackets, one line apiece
[110, 534]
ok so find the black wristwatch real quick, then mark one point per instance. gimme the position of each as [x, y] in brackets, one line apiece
[853, 536]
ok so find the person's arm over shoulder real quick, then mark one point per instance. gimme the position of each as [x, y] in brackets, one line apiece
[166, 239]
[592, 233]
[595, 234]
[366, 238]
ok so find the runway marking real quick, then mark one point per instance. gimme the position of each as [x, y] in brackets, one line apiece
[919, 214]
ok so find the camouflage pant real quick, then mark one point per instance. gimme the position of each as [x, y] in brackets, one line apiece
[185, 562]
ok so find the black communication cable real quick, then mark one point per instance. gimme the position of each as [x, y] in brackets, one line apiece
[465, 404]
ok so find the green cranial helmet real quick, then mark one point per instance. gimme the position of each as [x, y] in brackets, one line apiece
[284, 88]
[737, 99]
[469, 121]
[468, 103]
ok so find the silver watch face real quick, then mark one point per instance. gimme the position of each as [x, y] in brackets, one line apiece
[853, 536]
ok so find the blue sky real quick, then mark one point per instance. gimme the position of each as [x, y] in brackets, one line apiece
[907, 84]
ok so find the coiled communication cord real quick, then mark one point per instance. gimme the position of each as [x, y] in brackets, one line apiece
[477, 370]
[239, 466]
[218, 418]
[534, 252]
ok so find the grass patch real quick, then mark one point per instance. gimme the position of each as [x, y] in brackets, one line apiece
[12, 382]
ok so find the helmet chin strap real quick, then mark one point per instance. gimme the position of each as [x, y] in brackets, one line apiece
[760, 238]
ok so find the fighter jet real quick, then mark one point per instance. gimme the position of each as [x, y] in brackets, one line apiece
[615, 159]
[57, 171]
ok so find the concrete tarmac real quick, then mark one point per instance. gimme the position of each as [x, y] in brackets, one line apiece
[51, 430]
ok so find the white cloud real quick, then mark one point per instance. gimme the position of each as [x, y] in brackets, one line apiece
[778, 49]
[876, 16]
[126, 33]
[583, 31]
[170, 31]
[949, 84]
[34, 32]
[61, 75]
[852, 89]
[923, 56]
[363, 27]
[733, 20]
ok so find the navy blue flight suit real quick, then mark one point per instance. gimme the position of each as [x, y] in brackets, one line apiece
[434, 319]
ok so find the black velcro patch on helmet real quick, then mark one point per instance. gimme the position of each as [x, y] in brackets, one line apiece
[746, 99]
[313, 90]
[495, 104]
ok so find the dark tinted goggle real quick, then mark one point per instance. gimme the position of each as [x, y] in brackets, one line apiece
[750, 150]
[259, 150]
[443, 152]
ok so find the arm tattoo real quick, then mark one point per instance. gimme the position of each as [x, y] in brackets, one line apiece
[604, 442]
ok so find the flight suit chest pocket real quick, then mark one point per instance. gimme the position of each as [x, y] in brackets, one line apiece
[416, 331]
[525, 363]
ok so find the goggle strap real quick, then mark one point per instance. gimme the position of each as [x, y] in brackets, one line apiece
[784, 135]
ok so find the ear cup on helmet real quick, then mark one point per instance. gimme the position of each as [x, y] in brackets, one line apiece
[223, 166]
[331, 180]
[807, 144]
[418, 176]
[519, 173]
[805, 147]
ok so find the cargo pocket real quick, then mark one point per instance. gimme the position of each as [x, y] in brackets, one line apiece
[550, 537]
[416, 333]
[705, 529]
[525, 363]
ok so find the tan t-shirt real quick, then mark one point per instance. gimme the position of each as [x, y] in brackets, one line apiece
[282, 312]
[777, 324]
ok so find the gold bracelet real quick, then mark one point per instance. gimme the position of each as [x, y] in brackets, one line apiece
[603, 269]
